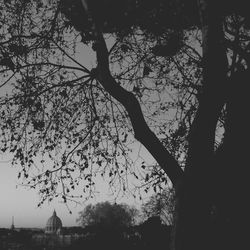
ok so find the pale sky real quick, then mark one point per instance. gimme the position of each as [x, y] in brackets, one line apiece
[21, 202]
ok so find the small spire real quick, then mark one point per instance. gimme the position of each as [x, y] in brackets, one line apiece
[12, 225]
[54, 213]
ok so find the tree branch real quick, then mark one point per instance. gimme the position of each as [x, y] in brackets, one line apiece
[141, 130]
[132, 106]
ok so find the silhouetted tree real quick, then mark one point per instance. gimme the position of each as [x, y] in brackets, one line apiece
[107, 224]
[107, 215]
[172, 73]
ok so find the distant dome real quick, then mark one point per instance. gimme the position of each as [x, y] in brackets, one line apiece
[54, 224]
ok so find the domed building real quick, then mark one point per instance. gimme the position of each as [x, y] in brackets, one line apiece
[53, 225]
[54, 235]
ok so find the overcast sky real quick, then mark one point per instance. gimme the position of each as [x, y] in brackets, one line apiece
[21, 202]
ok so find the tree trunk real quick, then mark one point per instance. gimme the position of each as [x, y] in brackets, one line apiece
[193, 228]
[231, 188]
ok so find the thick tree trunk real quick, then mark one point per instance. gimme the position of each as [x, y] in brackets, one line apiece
[231, 188]
[193, 220]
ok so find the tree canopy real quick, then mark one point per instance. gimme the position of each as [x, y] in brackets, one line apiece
[56, 112]
[107, 215]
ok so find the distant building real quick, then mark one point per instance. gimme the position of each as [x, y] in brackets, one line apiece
[54, 234]
[54, 225]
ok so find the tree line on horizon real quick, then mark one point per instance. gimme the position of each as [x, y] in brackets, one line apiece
[114, 215]
[103, 225]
